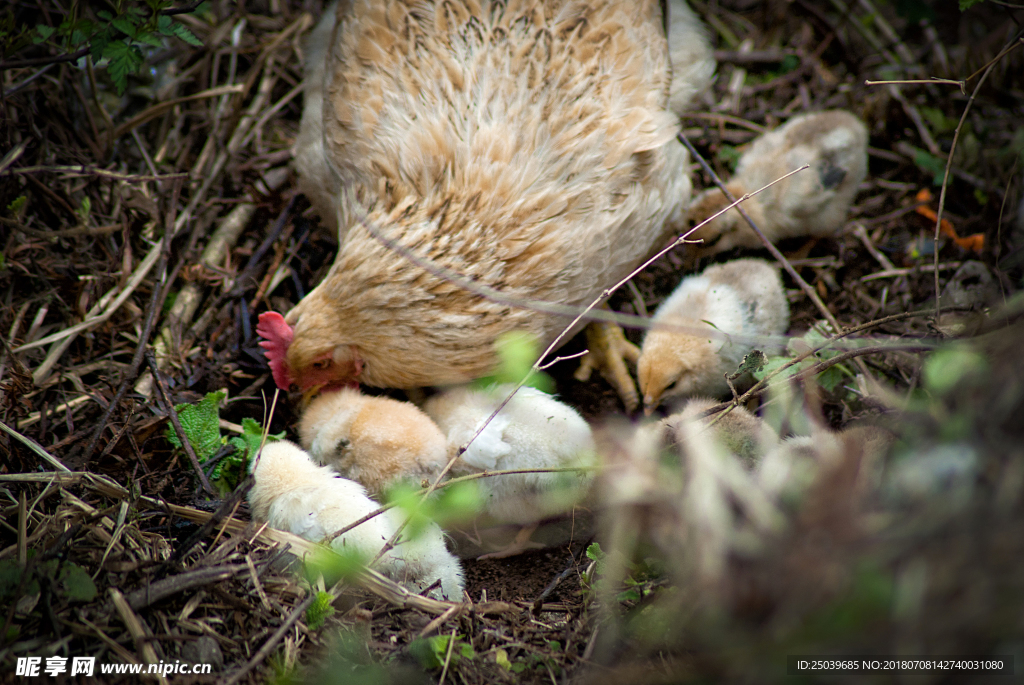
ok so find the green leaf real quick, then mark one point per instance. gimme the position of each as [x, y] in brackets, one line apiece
[949, 367]
[430, 652]
[594, 552]
[319, 611]
[77, 584]
[728, 156]
[10, 577]
[124, 59]
[501, 658]
[517, 352]
[183, 33]
[752, 362]
[930, 164]
[43, 33]
[17, 205]
[968, 4]
[201, 423]
[125, 24]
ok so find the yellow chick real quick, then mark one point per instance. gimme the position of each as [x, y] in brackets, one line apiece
[293, 494]
[738, 430]
[532, 431]
[811, 202]
[376, 441]
[740, 304]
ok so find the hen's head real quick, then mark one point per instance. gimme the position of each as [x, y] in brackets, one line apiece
[305, 361]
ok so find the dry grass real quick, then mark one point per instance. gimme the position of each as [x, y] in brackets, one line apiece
[166, 219]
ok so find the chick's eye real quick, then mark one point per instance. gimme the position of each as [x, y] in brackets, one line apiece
[322, 364]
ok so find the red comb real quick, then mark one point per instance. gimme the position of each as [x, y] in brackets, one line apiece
[277, 336]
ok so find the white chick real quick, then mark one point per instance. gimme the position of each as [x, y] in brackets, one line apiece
[742, 299]
[293, 494]
[811, 202]
[739, 431]
[532, 431]
[376, 441]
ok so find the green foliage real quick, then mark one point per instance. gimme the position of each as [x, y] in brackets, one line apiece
[431, 652]
[953, 366]
[201, 423]
[728, 156]
[517, 352]
[117, 36]
[72, 581]
[10, 578]
[968, 4]
[335, 564]
[76, 583]
[830, 379]
[320, 610]
[451, 505]
[930, 164]
[17, 206]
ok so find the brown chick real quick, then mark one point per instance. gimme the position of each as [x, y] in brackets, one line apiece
[741, 304]
[812, 202]
[529, 147]
[376, 441]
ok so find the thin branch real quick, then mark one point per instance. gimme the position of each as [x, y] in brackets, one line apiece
[38, 61]
[165, 400]
[933, 79]
[1017, 40]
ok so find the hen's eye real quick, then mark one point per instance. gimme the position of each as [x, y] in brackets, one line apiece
[322, 364]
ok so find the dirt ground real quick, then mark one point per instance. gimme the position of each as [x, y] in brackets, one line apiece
[113, 212]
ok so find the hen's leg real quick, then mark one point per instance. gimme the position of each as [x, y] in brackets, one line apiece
[608, 352]
[520, 544]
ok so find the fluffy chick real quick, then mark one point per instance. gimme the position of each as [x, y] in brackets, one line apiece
[532, 431]
[812, 202]
[739, 431]
[293, 494]
[742, 299]
[376, 441]
[529, 147]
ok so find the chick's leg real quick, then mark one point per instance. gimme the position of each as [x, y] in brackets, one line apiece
[608, 352]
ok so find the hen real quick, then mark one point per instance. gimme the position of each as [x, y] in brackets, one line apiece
[527, 146]
[811, 202]
[292, 493]
[741, 304]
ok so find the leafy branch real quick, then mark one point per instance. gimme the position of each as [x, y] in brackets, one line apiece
[118, 37]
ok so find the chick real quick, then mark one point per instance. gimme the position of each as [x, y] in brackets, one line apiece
[737, 430]
[811, 202]
[376, 441]
[293, 494]
[532, 431]
[742, 302]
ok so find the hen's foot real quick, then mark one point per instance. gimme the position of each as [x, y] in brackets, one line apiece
[608, 352]
[520, 544]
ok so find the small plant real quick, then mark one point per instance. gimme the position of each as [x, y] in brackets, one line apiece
[117, 36]
[431, 652]
[201, 423]
[319, 611]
